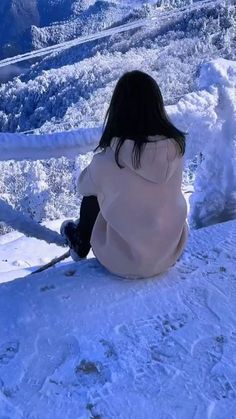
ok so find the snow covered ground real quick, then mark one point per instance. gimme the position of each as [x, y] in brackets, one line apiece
[77, 342]
[20, 255]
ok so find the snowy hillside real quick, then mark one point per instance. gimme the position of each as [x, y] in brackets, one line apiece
[77, 342]
[25, 25]
[72, 89]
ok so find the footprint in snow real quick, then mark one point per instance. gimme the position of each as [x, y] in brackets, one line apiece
[149, 353]
[208, 352]
[49, 355]
[172, 322]
[47, 288]
[197, 299]
[218, 387]
[109, 349]
[92, 373]
[20, 263]
[169, 352]
[154, 328]
[70, 272]
[146, 379]
[8, 351]
[185, 267]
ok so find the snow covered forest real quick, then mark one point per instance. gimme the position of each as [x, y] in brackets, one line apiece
[75, 341]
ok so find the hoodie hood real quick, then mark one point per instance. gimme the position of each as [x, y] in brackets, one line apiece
[159, 159]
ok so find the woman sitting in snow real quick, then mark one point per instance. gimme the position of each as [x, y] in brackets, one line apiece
[133, 213]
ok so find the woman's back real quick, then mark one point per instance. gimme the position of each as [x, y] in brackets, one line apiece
[134, 213]
[141, 228]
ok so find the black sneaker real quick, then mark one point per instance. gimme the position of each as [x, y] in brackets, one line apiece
[69, 230]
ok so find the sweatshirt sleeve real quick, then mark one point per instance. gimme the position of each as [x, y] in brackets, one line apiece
[85, 184]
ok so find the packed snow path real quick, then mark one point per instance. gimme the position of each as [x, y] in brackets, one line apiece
[77, 342]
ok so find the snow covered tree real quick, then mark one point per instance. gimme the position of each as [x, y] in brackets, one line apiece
[214, 199]
[37, 193]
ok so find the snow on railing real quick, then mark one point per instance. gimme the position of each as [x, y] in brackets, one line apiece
[14, 146]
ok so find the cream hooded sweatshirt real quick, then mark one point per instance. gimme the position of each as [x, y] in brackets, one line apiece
[141, 229]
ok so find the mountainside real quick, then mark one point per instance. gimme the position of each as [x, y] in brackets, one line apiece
[16, 17]
[30, 24]
[69, 87]
[24, 23]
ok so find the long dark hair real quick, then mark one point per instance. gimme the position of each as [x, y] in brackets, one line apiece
[136, 112]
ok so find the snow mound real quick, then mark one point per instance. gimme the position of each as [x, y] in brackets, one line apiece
[78, 342]
[214, 199]
[220, 71]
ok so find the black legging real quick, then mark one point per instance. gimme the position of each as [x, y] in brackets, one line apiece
[88, 214]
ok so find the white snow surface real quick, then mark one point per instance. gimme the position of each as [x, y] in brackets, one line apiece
[77, 342]
[19, 254]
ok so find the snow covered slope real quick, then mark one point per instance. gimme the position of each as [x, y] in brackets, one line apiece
[16, 262]
[78, 342]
